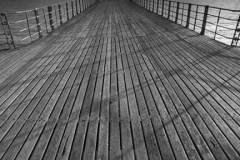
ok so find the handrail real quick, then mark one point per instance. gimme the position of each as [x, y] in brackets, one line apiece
[232, 10]
[23, 27]
[199, 18]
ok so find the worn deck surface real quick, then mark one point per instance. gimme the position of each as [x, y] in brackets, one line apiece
[119, 82]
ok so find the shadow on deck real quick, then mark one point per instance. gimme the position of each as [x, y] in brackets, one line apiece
[120, 82]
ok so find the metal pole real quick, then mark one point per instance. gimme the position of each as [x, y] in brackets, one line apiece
[9, 28]
[162, 7]
[217, 23]
[67, 11]
[84, 6]
[50, 17]
[149, 5]
[76, 7]
[235, 32]
[55, 14]
[44, 15]
[169, 9]
[153, 5]
[72, 9]
[204, 20]
[195, 18]
[5, 32]
[29, 32]
[177, 12]
[157, 5]
[182, 13]
[80, 6]
[188, 16]
[60, 14]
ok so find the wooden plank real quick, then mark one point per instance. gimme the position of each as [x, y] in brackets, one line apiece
[224, 83]
[120, 82]
[103, 147]
[16, 90]
[138, 137]
[54, 117]
[65, 136]
[141, 91]
[92, 131]
[218, 136]
[115, 135]
[203, 149]
[53, 146]
[37, 111]
[125, 127]
[55, 142]
[83, 122]
[24, 116]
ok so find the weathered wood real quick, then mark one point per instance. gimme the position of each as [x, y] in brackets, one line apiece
[120, 82]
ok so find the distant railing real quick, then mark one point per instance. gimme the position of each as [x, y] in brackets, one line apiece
[218, 23]
[22, 27]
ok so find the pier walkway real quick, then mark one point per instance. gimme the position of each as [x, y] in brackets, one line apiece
[120, 82]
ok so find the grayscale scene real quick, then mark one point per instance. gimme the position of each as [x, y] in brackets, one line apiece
[119, 80]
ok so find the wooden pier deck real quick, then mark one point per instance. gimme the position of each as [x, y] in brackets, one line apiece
[120, 82]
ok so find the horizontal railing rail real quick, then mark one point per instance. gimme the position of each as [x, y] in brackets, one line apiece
[218, 23]
[22, 27]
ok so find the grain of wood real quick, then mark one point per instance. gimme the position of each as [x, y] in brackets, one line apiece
[120, 82]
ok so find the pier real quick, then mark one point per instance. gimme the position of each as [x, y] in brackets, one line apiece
[119, 81]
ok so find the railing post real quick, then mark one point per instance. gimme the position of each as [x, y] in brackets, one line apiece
[67, 10]
[10, 32]
[157, 5]
[162, 7]
[188, 15]
[169, 9]
[5, 22]
[149, 4]
[76, 7]
[217, 23]
[72, 9]
[80, 10]
[55, 14]
[60, 14]
[204, 20]
[4, 30]
[195, 18]
[37, 22]
[235, 38]
[84, 5]
[44, 15]
[153, 5]
[177, 12]
[29, 31]
[50, 17]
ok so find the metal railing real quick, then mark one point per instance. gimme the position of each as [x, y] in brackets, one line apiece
[22, 27]
[218, 23]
